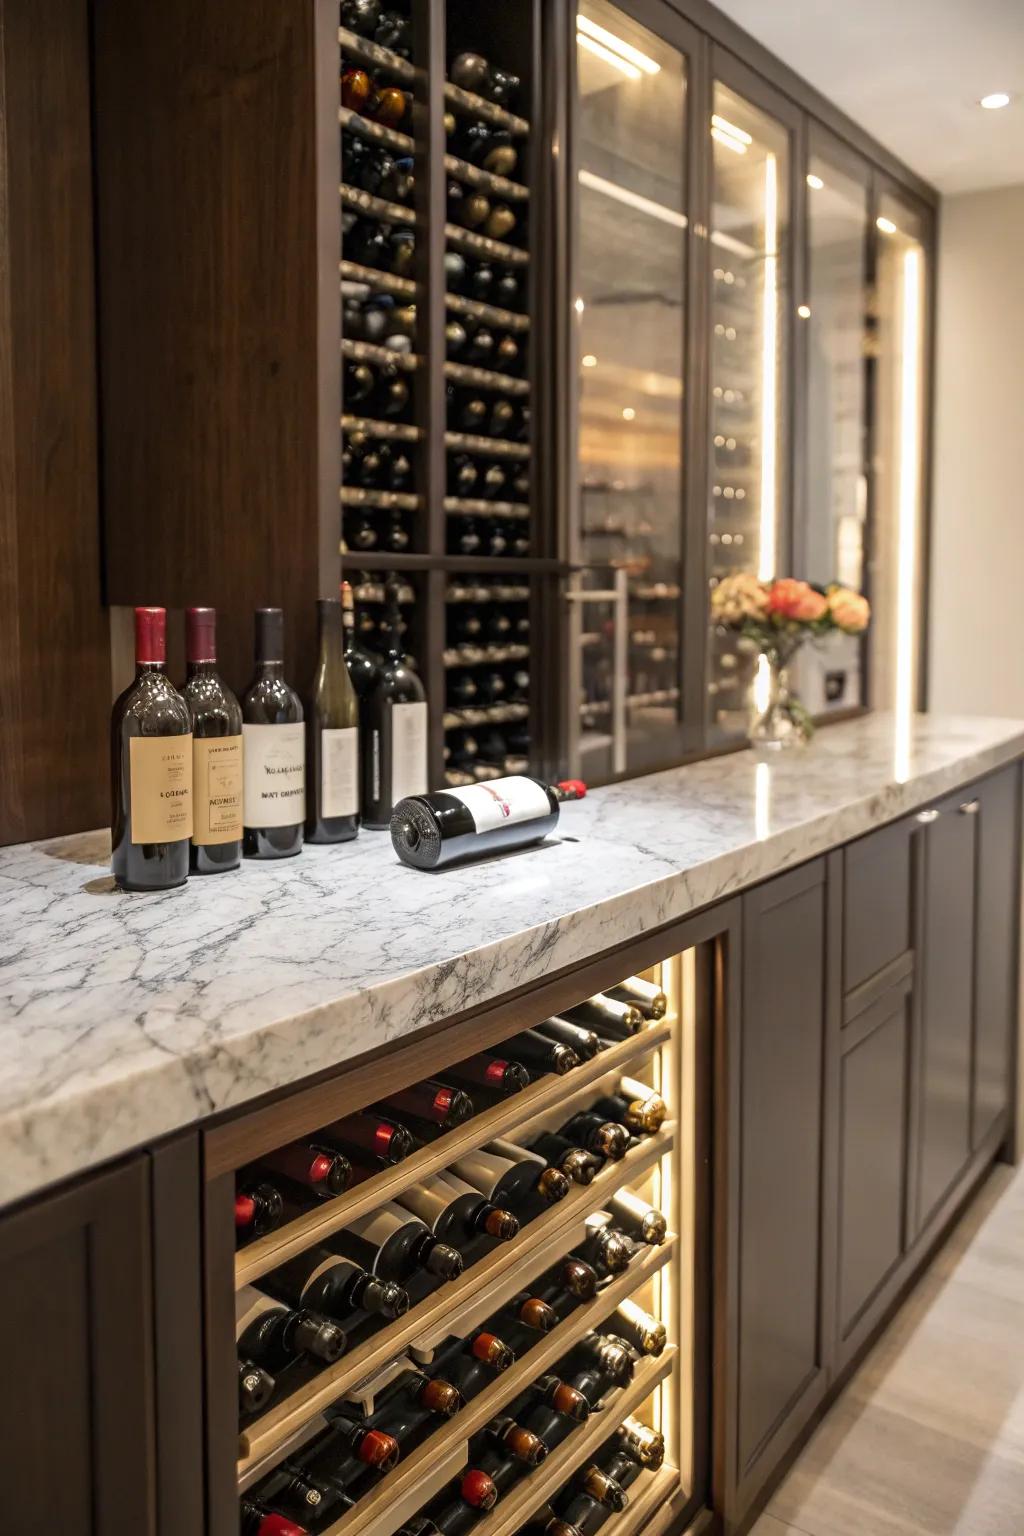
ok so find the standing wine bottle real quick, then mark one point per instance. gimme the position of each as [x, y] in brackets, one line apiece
[275, 750]
[651, 1000]
[332, 722]
[509, 1182]
[393, 1245]
[216, 751]
[318, 1280]
[362, 669]
[430, 831]
[394, 720]
[150, 769]
[609, 1019]
[273, 1336]
[456, 1212]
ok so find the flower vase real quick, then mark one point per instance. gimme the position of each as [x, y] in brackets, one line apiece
[778, 719]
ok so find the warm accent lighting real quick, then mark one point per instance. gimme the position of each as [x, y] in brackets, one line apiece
[632, 199]
[804, 311]
[629, 70]
[724, 126]
[733, 144]
[908, 494]
[815, 182]
[628, 413]
[996, 100]
[613, 48]
[590, 361]
[769, 368]
[579, 306]
[886, 225]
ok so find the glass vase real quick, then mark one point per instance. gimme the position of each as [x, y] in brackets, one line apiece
[774, 728]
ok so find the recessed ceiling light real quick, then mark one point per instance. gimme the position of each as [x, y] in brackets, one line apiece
[886, 226]
[628, 413]
[804, 311]
[815, 182]
[996, 100]
[580, 306]
[590, 361]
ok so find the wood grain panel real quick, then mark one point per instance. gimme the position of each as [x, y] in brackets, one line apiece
[54, 634]
[217, 278]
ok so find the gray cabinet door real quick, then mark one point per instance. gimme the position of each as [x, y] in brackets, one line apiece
[781, 1373]
[77, 1435]
[946, 1001]
[995, 974]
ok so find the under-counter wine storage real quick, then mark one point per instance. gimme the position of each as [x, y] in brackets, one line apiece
[507, 1272]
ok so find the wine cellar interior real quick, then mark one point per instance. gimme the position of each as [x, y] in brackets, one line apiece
[567, 1190]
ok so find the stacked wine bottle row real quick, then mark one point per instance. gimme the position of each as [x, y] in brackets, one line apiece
[499, 1288]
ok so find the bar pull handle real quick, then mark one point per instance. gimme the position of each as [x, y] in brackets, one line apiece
[970, 808]
[925, 818]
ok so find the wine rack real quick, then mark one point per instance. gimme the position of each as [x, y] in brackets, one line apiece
[658, 1165]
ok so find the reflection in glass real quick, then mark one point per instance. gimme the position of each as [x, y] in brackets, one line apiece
[828, 675]
[630, 336]
[750, 167]
[895, 568]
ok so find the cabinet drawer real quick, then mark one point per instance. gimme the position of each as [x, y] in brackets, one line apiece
[876, 902]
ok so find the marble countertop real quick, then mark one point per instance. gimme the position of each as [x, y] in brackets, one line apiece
[124, 1017]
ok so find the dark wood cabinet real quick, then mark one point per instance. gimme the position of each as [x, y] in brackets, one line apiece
[778, 1341]
[997, 918]
[76, 1340]
[945, 1003]
[876, 905]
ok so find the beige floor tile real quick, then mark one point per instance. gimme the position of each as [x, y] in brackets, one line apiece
[769, 1526]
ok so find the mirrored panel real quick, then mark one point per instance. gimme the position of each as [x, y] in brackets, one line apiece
[630, 329]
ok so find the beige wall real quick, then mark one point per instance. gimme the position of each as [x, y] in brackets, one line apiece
[977, 572]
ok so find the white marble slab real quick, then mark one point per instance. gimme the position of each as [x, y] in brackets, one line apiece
[124, 1017]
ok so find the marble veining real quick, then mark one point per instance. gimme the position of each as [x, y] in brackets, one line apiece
[124, 1017]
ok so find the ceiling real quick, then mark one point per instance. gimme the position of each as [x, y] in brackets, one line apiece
[911, 72]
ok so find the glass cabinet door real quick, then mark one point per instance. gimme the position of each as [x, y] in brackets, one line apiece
[630, 270]
[748, 311]
[899, 367]
[830, 541]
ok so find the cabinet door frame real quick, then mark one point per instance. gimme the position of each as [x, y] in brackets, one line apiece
[113, 1209]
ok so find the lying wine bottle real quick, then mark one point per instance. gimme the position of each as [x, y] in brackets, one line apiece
[638, 1218]
[650, 1000]
[255, 1387]
[455, 1211]
[257, 1520]
[429, 831]
[272, 1337]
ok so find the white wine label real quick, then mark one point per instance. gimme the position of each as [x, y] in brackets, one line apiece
[249, 1305]
[274, 775]
[503, 802]
[339, 771]
[379, 1225]
[217, 789]
[408, 751]
[426, 1203]
[161, 785]
[481, 1169]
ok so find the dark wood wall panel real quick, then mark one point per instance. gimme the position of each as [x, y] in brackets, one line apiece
[54, 634]
[217, 270]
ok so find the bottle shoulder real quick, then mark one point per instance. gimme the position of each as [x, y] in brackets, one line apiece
[152, 706]
[271, 701]
[397, 683]
[213, 707]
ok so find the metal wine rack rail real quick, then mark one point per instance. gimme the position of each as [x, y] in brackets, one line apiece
[656, 1163]
[427, 526]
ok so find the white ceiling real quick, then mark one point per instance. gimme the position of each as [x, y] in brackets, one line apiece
[911, 72]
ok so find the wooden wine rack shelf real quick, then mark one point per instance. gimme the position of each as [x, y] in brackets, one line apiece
[479, 655]
[509, 319]
[482, 245]
[478, 106]
[483, 378]
[469, 506]
[484, 714]
[493, 447]
[376, 207]
[495, 1278]
[385, 501]
[481, 1409]
[397, 431]
[368, 352]
[387, 282]
[529, 1495]
[364, 51]
[651, 1509]
[487, 181]
[266, 1253]
[399, 142]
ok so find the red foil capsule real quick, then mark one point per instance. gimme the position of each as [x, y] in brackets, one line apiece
[245, 1211]
[378, 1450]
[478, 1490]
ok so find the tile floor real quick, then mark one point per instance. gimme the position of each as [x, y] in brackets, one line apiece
[928, 1437]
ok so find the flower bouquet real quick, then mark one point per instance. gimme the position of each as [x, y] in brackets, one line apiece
[774, 619]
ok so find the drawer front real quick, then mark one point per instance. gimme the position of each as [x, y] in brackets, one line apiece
[876, 902]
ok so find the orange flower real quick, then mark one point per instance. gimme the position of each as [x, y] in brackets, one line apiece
[850, 612]
[796, 600]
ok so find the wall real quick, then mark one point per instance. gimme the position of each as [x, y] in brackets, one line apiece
[976, 653]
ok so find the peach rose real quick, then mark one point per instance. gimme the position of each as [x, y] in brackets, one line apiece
[850, 612]
[739, 597]
[796, 600]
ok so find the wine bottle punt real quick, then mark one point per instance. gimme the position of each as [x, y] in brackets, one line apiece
[332, 719]
[150, 769]
[394, 728]
[216, 751]
[273, 736]
[430, 831]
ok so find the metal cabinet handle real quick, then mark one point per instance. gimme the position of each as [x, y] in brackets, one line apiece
[970, 808]
[925, 818]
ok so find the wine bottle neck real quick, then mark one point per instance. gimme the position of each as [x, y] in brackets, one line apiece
[201, 669]
[150, 668]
